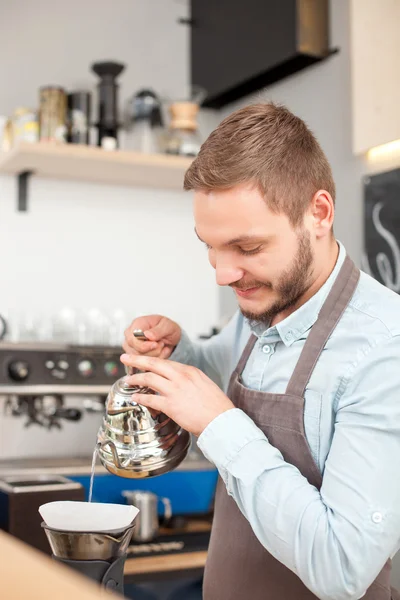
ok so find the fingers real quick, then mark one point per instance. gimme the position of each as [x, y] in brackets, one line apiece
[156, 403]
[140, 346]
[143, 323]
[154, 327]
[166, 352]
[162, 330]
[165, 368]
[163, 335]
[147, 348]
[155, 382]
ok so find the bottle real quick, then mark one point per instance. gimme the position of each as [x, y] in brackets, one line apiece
[79, 109]
[143, 123]
[107, 123]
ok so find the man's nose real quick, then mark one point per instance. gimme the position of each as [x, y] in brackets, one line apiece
[226, 273]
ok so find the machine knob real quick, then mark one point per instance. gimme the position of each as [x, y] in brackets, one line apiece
[70, 414]
[18, 370]
[111, 368]
[86, 368]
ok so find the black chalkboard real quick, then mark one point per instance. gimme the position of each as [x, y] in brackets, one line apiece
[382, 228]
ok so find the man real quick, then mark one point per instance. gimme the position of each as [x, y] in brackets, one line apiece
[297, 400]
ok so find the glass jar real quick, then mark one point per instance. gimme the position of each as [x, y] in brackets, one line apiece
[183, 138]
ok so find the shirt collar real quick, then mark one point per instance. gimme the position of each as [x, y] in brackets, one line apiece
[301, 320]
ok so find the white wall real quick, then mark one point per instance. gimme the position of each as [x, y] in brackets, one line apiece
[84, 245]
[53, 42]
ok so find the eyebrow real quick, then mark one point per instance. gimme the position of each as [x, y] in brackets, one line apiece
[243, 239]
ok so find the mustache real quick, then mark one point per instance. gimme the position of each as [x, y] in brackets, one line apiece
[246, 285]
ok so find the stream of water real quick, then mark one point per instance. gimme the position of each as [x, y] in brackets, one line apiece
[92, 473]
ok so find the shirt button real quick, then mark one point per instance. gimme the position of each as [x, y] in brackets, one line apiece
[266, 349]
[289, 336]
[377, 517]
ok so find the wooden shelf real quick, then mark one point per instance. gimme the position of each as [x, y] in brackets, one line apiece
[92, 164]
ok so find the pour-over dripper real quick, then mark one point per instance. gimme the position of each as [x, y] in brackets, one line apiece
[88, 545]
[102, 517]
[99, 552]
[132, 442]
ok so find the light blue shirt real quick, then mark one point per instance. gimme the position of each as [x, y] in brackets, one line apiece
[336, 539]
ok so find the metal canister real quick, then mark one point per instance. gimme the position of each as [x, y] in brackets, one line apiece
[79, 109]
[53, 114]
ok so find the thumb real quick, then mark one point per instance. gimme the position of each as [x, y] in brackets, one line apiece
[159, 331]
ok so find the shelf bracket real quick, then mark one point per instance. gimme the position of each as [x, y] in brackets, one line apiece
[23, 179]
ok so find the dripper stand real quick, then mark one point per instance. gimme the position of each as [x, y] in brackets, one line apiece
[98, 555]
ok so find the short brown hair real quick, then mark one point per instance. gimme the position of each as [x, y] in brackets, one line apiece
[268, 145]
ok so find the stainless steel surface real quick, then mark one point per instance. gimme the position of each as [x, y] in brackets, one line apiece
[132, 442]
[41, 390]
[29, 467]
[42, 483]
[46, 411]
[147, 523]
[48, 368]
[78, 545]
[138, 333]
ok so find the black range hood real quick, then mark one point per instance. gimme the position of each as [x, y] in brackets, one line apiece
[240, 46]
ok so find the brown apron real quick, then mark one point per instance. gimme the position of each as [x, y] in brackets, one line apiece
[238, 566]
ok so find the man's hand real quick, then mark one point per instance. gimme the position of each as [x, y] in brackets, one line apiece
[186, 395]
[163, 335]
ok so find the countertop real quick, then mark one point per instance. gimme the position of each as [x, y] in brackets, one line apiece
[29, 574]
[75, 466]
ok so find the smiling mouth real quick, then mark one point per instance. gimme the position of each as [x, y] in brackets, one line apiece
[247, 292]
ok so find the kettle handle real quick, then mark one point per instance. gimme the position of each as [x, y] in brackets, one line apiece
[138, 333]
[167, 509]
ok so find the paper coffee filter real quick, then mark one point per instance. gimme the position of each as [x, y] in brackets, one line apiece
[87, 516]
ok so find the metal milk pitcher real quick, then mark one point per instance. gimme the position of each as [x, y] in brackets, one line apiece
[131, 442]
[147, 523]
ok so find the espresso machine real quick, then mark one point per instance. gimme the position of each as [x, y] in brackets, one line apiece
[48, 392]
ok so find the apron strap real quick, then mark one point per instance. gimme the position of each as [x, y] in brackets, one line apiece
[329, 316]
[246, 354]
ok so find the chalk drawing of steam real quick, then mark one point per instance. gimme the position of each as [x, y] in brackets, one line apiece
[383, 265]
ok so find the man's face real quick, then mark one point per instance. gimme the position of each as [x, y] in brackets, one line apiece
[258, 253]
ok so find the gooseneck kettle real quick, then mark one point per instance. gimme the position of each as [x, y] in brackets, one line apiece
[131, 441]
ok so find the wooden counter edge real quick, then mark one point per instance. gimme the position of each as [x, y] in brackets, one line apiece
[28, 573]
[168, 562]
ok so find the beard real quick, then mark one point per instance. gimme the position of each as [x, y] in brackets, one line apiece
[292, 284]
